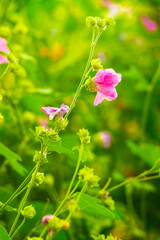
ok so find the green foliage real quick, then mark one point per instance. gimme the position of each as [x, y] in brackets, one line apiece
[3, 234]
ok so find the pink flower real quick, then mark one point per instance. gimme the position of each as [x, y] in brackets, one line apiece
[43, 122]
[106, 138]
[5, 49]
[106, 80]
[51, 111]
[149, 24]
[46, 218]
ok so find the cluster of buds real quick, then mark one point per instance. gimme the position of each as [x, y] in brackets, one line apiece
[102, 237]
[96, 64]
[84, 136]
[60, 123]
[86, 175]
[100, 23]
[39, 179]
[38, 156]
[54, 224]
[28, 212]
[42, 133]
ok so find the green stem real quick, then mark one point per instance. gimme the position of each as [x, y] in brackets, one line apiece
[93, 44]
[148, 100]
[18, 191]
[19, 227]
[27, 192]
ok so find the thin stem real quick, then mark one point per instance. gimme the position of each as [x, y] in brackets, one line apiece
[148, 100]
[18, 191]
[19, 227]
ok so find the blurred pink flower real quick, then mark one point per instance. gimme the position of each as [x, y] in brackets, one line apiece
[149, 24]
[51, 111]
[106, 138]
[106, 80]
[5, 49]
[43, 122]
[46, 218]
[102, 56]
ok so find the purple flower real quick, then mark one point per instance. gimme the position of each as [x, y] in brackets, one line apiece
[106, 138]
[105, 81]
[46, 218]
[149, 24]
[52, 111]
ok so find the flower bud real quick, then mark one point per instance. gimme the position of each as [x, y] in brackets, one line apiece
[101, 23]
[40, 157]
[90, 85]
[86, 175]
[65, 223]
[39, 178]
[109, 21]
[84, 136]
[53, 135]
[90, 22]
[28, 212]
[41, 133]
[55, 224]
[96, 64]
[61, 124]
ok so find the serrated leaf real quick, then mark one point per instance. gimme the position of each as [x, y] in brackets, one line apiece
[3, 234]
[13, 159]
[94, 207]
[148, 152]
[57, 147]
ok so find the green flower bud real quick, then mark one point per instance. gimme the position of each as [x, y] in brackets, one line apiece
[109, 21]
[84, 136]
[90, 22]
[55, 223]
[28, 212]
[86, 175]
[90, 85]
[39, 178]
[110, 203]
[101, 23]
[49, 180]
[61, 124]
[53, 135]
[40, 157]
[96, 64]
[41, 133]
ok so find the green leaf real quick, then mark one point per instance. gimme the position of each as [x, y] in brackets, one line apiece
[57, 147]
[85, 154]
[4, 234]
[8, 208]
[13, 159]
[94, 207]
[148, 152]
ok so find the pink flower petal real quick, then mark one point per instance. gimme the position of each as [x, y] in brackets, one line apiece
[149, 24]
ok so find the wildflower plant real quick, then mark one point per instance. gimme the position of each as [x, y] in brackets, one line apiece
[84, 179]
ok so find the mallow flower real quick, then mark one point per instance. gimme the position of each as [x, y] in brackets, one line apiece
[105, 81]
[52, 111]
[5, 49]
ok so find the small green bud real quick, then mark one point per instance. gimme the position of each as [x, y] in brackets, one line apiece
[40, 157]
[84, 136]
[55, 223]
[101, 23]
[96, 64]
[90, 85]
[90, 22]
[61, 124]
[41, 133]
[49, 180]
[39, 178]
[28, 212]
[53, 135]
[86, 175]
[109, 21]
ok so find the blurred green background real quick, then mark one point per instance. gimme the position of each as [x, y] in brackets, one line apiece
[51, 42]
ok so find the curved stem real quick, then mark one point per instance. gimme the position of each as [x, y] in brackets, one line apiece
[19, 227]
